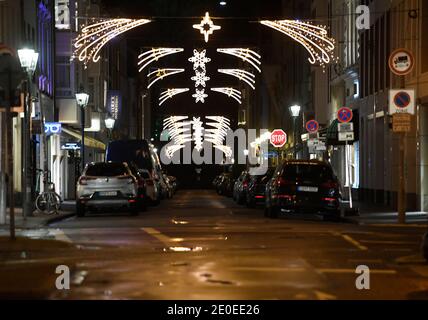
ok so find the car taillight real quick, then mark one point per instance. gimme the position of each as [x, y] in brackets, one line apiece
[282, 182]
[245, 184]
[83, 181]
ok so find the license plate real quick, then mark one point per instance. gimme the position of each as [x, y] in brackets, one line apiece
[108, 194]
[307, 189]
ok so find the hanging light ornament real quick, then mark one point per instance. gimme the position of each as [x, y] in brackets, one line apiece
[199, 59]
[198, 133]
[231, 92]
[160, 74]
[200, 95]
[242, 75]
[94, 37]
[170, 93]
[200, 78]
[217, 133]
[179, 132]
[312, 37]
[155, 54]
[206, 27]
[246, 55]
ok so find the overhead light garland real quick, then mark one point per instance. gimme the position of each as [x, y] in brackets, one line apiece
[94, 37]
[199, 59]
[200, 78]
[155, 54]
[179, 131]
[242, 75]
[313, 38]
[246, 55]
[170, 93]
[206, 27]
[160, 74]
[200, 95]
[217, 133]
[231, 92]
[198, 133]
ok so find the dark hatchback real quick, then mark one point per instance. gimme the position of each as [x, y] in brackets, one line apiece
[257, 187]
[303, 186]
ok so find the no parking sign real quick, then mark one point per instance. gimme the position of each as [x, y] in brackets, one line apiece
[402, 101]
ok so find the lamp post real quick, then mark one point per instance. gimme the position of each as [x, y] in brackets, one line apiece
[82, 100]
[109, 122]
[28, 59]
[295, 112]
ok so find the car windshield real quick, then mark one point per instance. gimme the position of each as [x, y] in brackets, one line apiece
[307, 172]
[106, 170]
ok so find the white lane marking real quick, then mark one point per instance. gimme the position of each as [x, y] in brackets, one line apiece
[320, 270]
[354, 242]
[159, 235]
[60, 235]
[270, 269]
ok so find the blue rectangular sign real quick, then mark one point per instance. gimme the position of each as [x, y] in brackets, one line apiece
[114, 103]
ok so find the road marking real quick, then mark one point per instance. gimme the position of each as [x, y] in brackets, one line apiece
[60, 235]
[354, 242]
[159, 235]
[375, 271]
[396, 225]
[324, 296]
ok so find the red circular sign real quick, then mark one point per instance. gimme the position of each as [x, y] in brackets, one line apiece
[345, 115]
[402, 100]
[278, 138]
[312, 126]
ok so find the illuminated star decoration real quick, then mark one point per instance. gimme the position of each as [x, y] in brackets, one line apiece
[200, 78]
[160, 74]
[231, 92]
[217, 133]
[155, 54]
[200, 95]
[170, 93]
[94, 37]
[199, 59]
[206, 27]
[313, 38]
[242, 75]
[246, 55]
[198, 133]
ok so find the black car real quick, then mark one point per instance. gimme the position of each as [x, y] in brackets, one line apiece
[241, 186]
[303, 186]
[257, 187]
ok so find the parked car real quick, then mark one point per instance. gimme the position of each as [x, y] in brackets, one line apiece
[152, 190]
[169, 186]
[224, 184]
[257, 187]
[216, 181]
[241, 186]
[107, 185]
[305, 187]
[174, 183]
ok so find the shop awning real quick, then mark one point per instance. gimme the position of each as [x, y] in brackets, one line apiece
[89, 142]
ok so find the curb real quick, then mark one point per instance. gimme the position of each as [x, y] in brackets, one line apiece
[59, 218]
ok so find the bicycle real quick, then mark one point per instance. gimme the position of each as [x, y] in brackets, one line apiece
[49, 201]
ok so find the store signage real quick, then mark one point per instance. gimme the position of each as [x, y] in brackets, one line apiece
[114, 103]
[346, 136]
[53, 128]
[62, 14]
[345, 127]
[70, 146]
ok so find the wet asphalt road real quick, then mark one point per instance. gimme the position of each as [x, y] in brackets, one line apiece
[203, 246]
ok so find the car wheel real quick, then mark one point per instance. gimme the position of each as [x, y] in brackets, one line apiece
[80, 209]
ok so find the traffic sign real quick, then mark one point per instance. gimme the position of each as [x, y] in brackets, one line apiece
[401, 62]
[312, 126]
[345, 127]
[278, 138]
[346, 136]
[345, 115]
[401, 122]
[402, 101]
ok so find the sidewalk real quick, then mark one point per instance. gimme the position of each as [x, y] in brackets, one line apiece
[39, 220]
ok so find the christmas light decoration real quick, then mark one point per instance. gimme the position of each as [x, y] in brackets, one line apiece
[246, 55]
[179, 132]
[206, 27]
[155, 54]
[198, 133]
[312, 37]
[94, 37]
[231, 92]
[200, 95]
[200, 78]
[160, 74]
[217, 133]
[170, 93]
[199, 59]
[242, 75]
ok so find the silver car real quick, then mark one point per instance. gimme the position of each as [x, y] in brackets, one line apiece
[107, 185]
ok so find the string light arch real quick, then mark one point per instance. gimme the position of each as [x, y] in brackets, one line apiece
[160, 74]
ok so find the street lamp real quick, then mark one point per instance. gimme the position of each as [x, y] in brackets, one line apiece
[82, 100]
[109, 122]
[295, 112]
[28, 59]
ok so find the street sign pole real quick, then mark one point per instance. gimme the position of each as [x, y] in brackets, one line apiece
[401, 205]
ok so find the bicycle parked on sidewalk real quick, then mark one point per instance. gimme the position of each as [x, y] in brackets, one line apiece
[48, 202]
